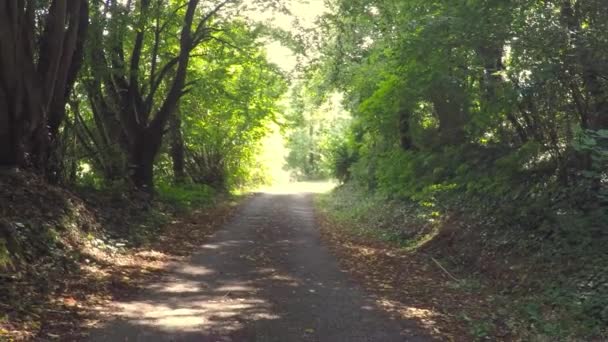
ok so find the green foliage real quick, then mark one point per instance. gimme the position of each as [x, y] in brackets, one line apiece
[342, 160]
[226, 116]
[555, 287]
[228, 104]
[371, 215]
[187, 196]
[594, 145]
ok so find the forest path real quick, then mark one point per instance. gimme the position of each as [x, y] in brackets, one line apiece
[264, 277]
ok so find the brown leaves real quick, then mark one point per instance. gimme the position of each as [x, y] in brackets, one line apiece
[60, 290]
[70, 301]
[406, 284]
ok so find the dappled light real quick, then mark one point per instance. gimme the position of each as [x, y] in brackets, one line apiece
[185, 303]
[197, 297]
[304, 170]
[426, 317]
[265, 275]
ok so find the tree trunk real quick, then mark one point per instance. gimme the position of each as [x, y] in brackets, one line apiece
[144, 135]
[142, 154]
[451, 106]
[9, 145]
[177, 147]
[452, 118]
[143, 171]
[9, 150]
[311, 153]
[38, 64]
[404, 130]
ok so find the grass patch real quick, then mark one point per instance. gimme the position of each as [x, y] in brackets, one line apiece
[187, 196]
[372, 216]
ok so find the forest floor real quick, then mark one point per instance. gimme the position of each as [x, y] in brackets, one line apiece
[462, 278]
[414, 286]
[81, 298]
[76, 252]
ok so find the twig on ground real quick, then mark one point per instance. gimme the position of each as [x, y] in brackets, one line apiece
[444, 270]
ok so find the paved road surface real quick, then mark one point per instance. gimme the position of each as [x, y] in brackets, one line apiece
[264, 277]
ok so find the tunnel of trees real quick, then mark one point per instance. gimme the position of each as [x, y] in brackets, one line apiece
[452, 89]
[489, 112]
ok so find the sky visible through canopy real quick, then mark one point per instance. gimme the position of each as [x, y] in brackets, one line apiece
[305, 12]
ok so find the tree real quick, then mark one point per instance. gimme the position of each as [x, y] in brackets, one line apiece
[133, 88]
[225, 117]
[494, 77]
[315, 121]
[41, 48]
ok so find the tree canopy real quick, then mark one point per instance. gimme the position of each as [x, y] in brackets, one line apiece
[520, 83]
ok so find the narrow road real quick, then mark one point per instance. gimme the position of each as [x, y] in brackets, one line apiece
[264, 277]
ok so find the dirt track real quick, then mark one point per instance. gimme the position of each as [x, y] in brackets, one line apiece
[264, 277]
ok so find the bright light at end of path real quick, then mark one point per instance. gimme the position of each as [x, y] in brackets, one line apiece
[299, 188]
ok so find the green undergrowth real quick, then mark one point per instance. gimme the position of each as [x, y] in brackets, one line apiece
[371, 215]
[51, 236]
[40, 221]
[187, 196]
[544, 278]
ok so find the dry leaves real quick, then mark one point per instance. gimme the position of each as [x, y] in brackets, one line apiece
[405, 284]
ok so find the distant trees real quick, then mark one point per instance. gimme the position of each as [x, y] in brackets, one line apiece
[316, 124]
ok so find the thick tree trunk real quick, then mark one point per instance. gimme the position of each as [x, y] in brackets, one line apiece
[141, 157]
[9, 150]
[143, 171]
[9, 144]
[452, 119]
[38, 64]
[177, 147]
[451, 108]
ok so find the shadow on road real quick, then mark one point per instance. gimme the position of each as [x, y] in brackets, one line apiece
[264, 277]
